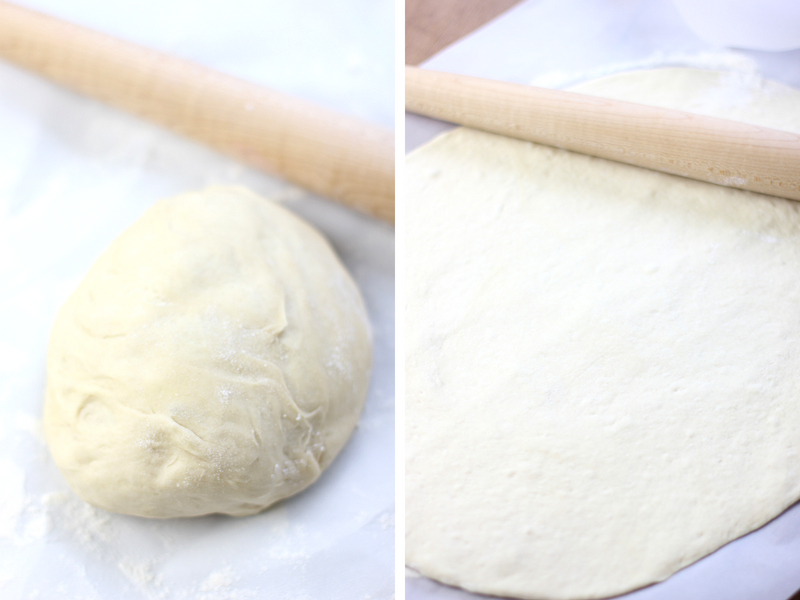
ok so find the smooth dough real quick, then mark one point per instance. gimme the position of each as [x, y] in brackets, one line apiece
[603, 362]
[214, 360]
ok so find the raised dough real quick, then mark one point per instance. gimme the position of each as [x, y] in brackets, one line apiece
[603, 362]
[214, 360]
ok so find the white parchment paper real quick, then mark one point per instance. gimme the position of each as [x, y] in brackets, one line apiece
[557, 43]
[73, 175]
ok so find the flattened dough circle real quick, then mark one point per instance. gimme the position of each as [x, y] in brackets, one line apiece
[603, 362]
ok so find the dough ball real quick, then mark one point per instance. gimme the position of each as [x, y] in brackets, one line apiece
[214, 360]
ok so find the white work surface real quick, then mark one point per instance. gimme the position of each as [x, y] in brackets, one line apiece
[73, 175]
[557, 43]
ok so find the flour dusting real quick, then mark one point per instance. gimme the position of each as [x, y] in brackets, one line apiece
[720, 60]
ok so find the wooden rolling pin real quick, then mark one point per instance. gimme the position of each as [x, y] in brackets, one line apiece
[724, 152]
[331, 154]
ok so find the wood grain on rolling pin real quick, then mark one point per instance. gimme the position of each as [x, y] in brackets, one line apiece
[329, 153]
[719, 151]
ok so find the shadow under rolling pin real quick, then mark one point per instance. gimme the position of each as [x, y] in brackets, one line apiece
[326, 152]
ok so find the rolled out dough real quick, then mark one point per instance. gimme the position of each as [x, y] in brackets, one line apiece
[214, 360]
[603, 362]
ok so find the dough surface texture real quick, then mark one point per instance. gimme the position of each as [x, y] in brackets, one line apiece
[603, 362]
[215, 359]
